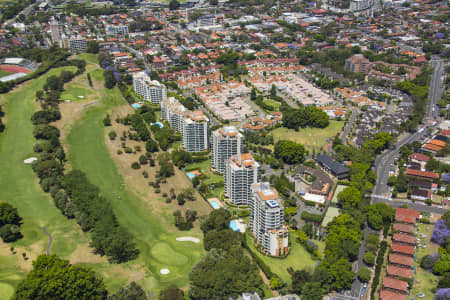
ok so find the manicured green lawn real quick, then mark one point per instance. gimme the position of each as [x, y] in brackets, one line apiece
[275, 104]
[424, 281]
[97, 75]
[4, 73]
[19, 185]
[158, 248]
[76, 92]
[89, 57]
[298, 258]
[311, 138]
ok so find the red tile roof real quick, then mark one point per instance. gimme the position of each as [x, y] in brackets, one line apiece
[404, 228]
[401, 248]
[395, 284]
[419, 156]
[407, 212]
[425, 174]
[405, 219]
[390, 295]
[399, 271]
[404, 238]
[399, 259]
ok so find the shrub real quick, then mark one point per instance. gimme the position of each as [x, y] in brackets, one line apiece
[427, 262]
[135, 166]
[137, 148]
[145, 174]
[112, 135]
[119, 151]
[142, 159]
[311, 217]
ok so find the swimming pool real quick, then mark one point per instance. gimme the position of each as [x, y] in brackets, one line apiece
[191, 175]
[233, 226]
[136, 105]
[214, 204]
[159, 124]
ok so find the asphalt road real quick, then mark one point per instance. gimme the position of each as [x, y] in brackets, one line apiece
[349, 126]
[436, 87]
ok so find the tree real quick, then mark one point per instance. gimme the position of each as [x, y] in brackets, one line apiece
[273, 91]
[217, 220]
[171, 293]
[9, 215]
[299, 279]
[174, 5]
[224, 239]
[349, 198]
[10, 233]
[110, 81]
[253, 94]
[369, 258]
[130, 292]
[290, 152]
[312, 291]
[54, 278]
[92, 47]
[364, 274]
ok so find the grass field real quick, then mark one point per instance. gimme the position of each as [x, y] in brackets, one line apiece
[424, 281]
[339, 189]
[156, 243]
[19, 186]
[4, 73]
[298, 258]
[205, 168]
[275, 104]
[76, 92]
[331, 213]
[311, 138]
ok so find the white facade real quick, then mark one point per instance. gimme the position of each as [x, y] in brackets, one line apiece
[193, 125]
[56, 32]
[267, 220]
[77, 44]
[116, 30]
[173, 112]
[226, 143]
[151, 90]
[195, 132]
[241, 172]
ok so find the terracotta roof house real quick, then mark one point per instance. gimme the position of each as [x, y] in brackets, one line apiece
[402, 249]
[404, 239]
[396, 285]
[419, 157]
[407, 212]
[401, 260]
[396, 271]
[390, 295]
[422, 174]
[404, 228]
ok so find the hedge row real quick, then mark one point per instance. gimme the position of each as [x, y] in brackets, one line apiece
[380, 261]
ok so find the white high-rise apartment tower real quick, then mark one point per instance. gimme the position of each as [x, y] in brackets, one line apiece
[151, 90]
[226, 143]
[267, 220]
[241, 172]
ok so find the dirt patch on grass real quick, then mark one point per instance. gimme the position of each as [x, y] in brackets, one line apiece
[135, 180]
[84, 254]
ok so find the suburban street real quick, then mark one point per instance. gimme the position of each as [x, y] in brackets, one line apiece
[436, 88]
[385, 162]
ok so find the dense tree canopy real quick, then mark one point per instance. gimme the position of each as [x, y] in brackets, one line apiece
[130, 292]
[55, 278]
[290, 152]
[222, 274]
[349, 198]
[308, 116]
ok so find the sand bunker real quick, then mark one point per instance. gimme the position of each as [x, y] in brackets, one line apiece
[164, 271]
[188, 239]
[30, 160]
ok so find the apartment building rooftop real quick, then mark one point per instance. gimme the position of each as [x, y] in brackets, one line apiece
[244, 159]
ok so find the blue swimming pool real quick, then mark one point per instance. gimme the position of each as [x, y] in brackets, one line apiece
[214, 204]
[159, 124]
[136, 105]
[233, 226]
[190, 175]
